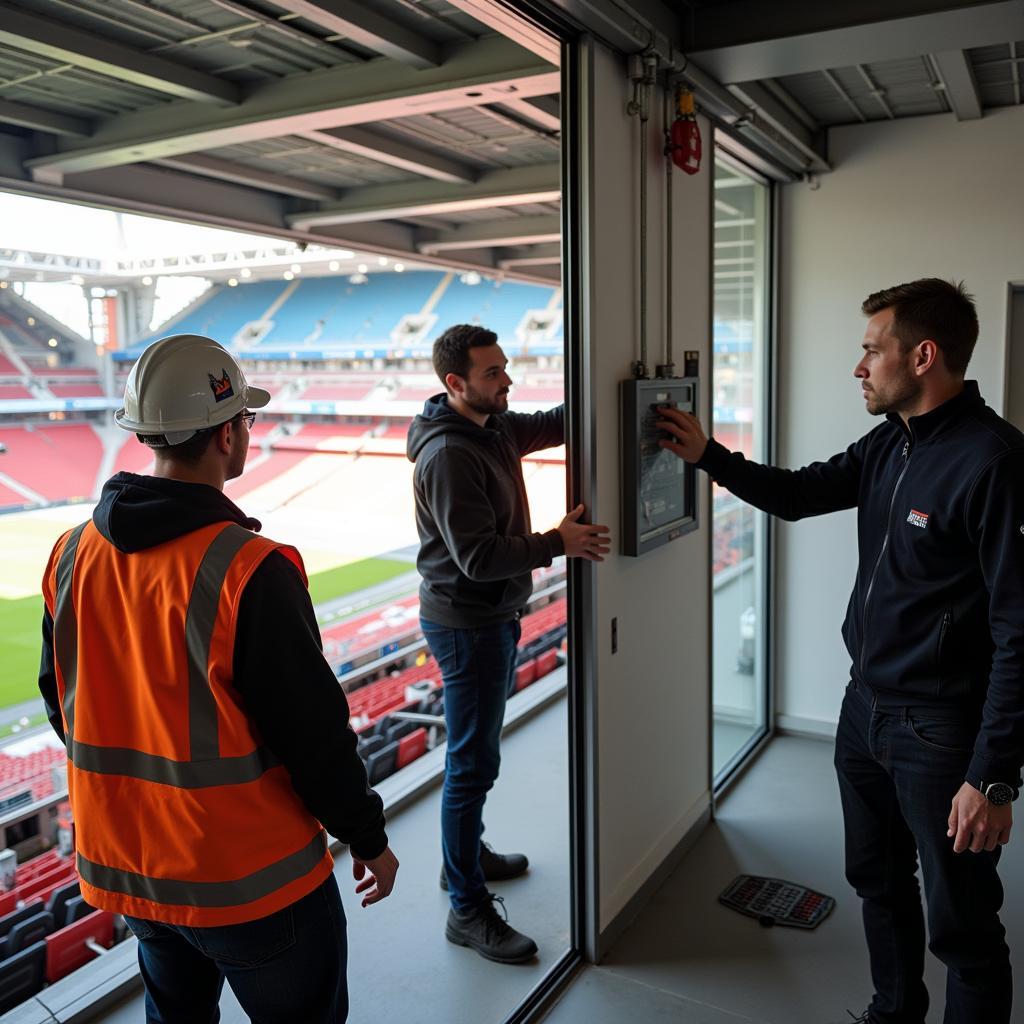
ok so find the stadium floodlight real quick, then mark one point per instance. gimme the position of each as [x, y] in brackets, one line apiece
[147, 280]
[3, 284]
[52, 343]
[77, 279]
[245, 272]
[362, 268]
[382, 260]
[358, 279]
[288, 275]
[334, 266]
[232, 282]
[399, 267]
[31, 321]
[296, 268]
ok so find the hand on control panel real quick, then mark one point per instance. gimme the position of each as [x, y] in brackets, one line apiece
[687, 439]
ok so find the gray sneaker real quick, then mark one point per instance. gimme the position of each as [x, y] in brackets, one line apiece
[489, 933]
[497, 867]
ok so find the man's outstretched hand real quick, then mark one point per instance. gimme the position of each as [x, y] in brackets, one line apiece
[688, 439]
[975, 824]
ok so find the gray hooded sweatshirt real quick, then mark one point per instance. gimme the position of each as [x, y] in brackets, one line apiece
[477, 551]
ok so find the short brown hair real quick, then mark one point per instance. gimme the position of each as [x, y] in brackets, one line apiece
[451, 350]
[931, 308]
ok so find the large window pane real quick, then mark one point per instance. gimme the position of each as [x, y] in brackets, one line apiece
[739, 381]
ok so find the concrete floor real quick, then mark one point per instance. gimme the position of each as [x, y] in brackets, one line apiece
[687, 959]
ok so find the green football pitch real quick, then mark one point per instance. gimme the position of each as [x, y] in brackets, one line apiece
[20, 620]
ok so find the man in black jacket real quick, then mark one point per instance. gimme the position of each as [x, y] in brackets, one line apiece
[289, 965]
[477, 555]
[931, 733]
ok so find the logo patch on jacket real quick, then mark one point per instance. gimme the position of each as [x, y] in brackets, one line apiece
[918, 519]
[221, 388]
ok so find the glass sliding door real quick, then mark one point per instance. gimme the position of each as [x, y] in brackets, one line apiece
[740, 372]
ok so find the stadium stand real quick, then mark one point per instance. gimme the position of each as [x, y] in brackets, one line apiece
[15, 391]
[84, 390]
[500, 306]
[7, 368]
[56, 462]
[220, 313]
[132, 457]
[328, 313]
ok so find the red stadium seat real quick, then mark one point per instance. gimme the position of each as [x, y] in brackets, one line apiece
[547, 662]
[410, 747]
[8, 902]
[526, 674]
[66, 950]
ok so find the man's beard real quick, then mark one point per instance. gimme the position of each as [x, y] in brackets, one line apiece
[483, 405]
[898, 395]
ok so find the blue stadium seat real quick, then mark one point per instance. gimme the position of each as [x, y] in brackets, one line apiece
[370, 745]
[76, 909]
[382, 763]
[58, 903]
[27, 932]
[21, 976]
[8, 921]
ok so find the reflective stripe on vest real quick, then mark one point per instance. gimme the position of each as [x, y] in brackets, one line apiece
[65, 629]
[204, 768]
[207, 894]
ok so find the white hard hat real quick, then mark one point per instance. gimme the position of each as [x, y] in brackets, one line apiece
[181, 385]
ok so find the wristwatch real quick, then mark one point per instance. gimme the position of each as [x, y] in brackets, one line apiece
[999, 793]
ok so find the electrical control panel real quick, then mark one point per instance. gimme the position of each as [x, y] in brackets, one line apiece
[659, 494]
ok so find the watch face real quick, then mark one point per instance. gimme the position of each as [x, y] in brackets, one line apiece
[999, 793]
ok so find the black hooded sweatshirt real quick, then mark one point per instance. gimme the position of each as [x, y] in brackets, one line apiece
[936, 618]
[477, 551]
[289, 690]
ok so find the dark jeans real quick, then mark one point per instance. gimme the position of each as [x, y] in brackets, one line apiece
[899, 769]
[478, 669]
[284, 968]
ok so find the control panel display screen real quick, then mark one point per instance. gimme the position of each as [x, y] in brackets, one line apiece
[658, 490]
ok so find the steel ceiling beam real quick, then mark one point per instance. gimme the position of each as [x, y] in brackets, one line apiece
[49, 38]
[512, 26]
[881, 39]
[543, 111]
[240, 174]
[161, 192]
[782, 120]
[372, 145]
[508, 187]
[362, 25]
[486, 234]
[484, 71]
[40, 120]
[958, 83]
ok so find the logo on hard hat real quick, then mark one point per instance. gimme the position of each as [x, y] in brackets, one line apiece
[221, 388]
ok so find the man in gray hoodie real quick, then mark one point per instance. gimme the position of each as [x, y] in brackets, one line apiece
[477, 556]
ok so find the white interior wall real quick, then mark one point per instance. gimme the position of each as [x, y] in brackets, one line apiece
[653, 695]
[912, 198]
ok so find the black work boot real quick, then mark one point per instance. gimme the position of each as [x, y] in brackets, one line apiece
[497, 867]
[489, 933]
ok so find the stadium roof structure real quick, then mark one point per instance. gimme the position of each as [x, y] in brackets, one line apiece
[430, 129]
[402, 128]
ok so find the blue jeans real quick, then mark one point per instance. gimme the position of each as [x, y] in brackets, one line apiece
[284, 968]
[478, 668]
[899, 769]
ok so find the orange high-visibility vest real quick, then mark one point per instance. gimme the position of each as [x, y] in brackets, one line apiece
[181, 814]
